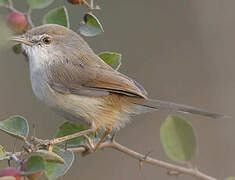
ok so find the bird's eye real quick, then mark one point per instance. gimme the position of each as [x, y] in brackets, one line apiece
[46, 40]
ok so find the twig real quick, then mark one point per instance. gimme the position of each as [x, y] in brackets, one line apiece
[87, 5]
[79, 149]
[10, 6]
[29, 18]
[149, 160]
[68, 137]
[10, 3]
[90, 5]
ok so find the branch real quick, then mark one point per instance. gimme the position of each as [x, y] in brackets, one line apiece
[149, 160]
[143, 158]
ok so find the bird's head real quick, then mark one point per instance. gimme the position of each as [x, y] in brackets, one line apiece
[50, 40]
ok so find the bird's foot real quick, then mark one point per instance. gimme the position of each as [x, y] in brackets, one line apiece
[93, 144]
[102, 139]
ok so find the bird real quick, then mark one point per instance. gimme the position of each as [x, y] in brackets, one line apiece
[68, 77]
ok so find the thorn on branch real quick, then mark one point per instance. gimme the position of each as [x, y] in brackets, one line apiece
[145, 156]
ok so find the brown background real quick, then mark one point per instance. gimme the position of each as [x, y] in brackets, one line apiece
[181, 51]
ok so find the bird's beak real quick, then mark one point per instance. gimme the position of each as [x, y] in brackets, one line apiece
[22, 40]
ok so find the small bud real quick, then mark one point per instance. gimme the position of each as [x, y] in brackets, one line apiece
[76, 1]
[17, 21]
[11, 172]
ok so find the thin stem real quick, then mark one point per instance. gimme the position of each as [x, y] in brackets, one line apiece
[10, 3]
[29, 18]
[10, 6]
[88, 5]
[92, 4]
[78, 149]
[65, 138]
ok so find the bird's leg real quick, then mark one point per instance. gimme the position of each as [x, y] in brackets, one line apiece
[89, 142]
[106, 133]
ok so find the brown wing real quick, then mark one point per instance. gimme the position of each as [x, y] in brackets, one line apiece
[83, 79]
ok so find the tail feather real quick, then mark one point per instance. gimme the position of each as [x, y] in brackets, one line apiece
[157, 104]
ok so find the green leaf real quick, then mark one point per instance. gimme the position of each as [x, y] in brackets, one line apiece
[178, 139]
[55, 170]
[16, 126]
[68, 128]
[57, 16]
[34, 164]
[112, 59]
[90, 26]
[2, 153]
[230, 178]
[50, 156]
[3, 2]
[39, 4]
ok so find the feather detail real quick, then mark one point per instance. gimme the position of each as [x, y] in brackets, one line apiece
[157, 104]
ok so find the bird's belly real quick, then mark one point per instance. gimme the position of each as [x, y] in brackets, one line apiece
[77, 108]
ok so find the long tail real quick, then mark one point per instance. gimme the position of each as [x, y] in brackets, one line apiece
[151, 104]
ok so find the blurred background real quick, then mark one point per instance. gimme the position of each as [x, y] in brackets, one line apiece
[180, 51]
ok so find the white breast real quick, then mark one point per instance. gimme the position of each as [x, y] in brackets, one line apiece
[72, 107]
[39, 80]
